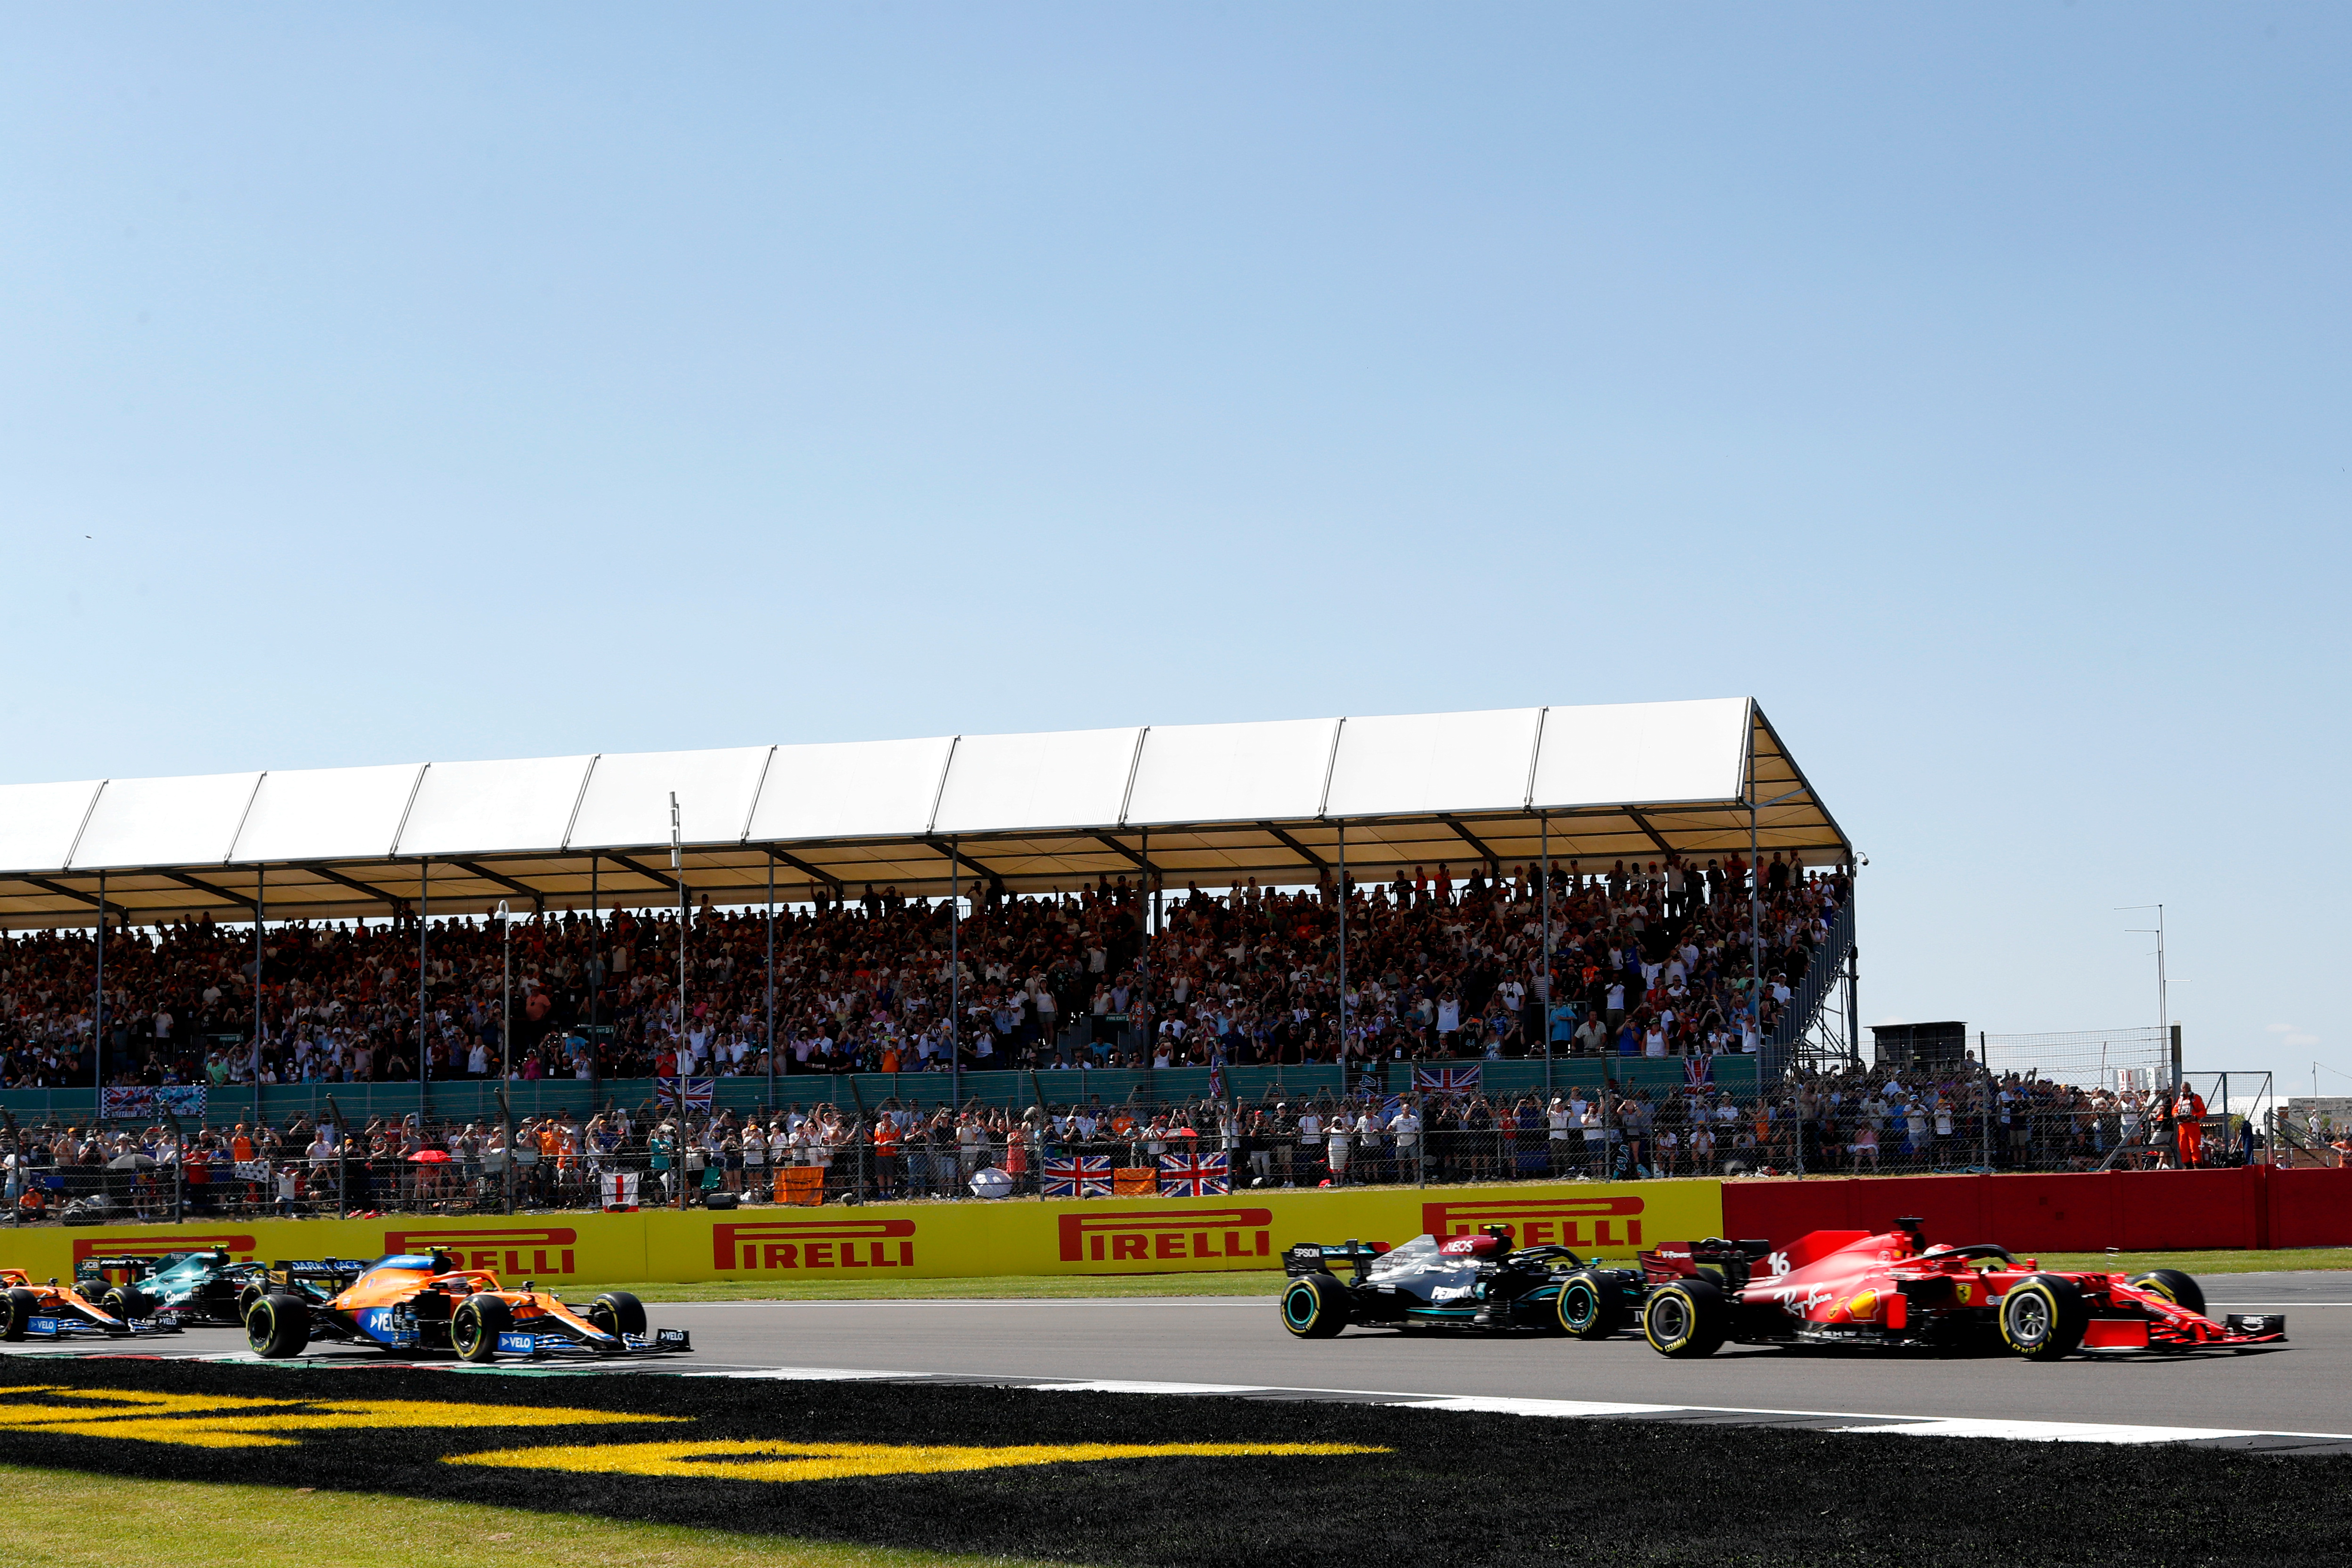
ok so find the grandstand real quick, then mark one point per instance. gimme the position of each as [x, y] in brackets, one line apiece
[815, 945]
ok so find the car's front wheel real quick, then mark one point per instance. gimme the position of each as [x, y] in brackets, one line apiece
[1314, 1306]
[127, 1304]
[620, 1313]
[475, 1327]
[2174, 1286]
[1588, 1308]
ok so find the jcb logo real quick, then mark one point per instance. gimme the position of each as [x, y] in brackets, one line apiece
[1595, 1221]
[237, 1246]
[524, 1251]
[1156, 1236]
[813, 1244]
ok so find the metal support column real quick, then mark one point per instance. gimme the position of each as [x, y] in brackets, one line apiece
[679, 1062]
[772, 984]
[955, 977]
[1343, 956]
[98, 1011]
[260, 918]
[1543, 979]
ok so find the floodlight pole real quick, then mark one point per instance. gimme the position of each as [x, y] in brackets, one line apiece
[1543, 980]
[260, 916]
[98, 1014]
[2163, 1008]
[955, 977]
[423, 913]
[677, 1054]
[506, 1048]
[1343, 956]
[595, 978]
[772, 983]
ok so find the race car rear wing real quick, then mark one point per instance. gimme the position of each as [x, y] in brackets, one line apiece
[134, 1266]
[1729, 1262]
[317, 1270]
[1313, 1257]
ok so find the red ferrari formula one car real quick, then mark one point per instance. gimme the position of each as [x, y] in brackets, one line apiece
[1850, 1287]
[55, 1311]
[423, 1301]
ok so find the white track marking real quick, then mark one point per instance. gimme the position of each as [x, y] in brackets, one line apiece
[1124, 1386]
[2050, 1431]
[1498, 1404]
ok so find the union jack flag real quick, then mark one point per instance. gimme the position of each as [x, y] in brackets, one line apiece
[1698, 1072]
[1193, 1175]
[698, 1092]
[1445, 1080]
[1079, 1176]
[1217, 1081]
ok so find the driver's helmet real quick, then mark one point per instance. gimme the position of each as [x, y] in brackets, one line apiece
[1502, 1234]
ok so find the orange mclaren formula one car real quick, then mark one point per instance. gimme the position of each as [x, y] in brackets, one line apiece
[55, 1311]
[423, 1301]
[1850, 1287]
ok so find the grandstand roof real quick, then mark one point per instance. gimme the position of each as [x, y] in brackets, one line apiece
[1207, 803]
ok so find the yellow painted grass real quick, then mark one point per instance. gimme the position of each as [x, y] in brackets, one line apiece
[73, 1520]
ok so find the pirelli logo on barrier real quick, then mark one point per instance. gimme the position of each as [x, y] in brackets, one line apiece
[512, 1251]
[1598, 1221]
[780, 1244]
[240, 1247]
[1168, 1235]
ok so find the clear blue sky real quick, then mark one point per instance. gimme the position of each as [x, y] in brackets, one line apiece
[1968, 384]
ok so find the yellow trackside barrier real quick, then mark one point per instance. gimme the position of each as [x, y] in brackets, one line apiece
[933, 1240]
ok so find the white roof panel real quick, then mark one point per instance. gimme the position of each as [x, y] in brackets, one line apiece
[326, 813]
[189, 821]
[1232, 772]
[1642, 752]
[627, 802]
[1428, 762]
[1011, 783]
[38, 821]
[489, 808]
[850, 789]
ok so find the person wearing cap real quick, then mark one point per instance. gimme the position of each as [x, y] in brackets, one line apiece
[1561, 1120]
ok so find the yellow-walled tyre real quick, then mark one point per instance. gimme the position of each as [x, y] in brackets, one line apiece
[278, 1326]
[2174, 1286]
[16, 1310]
[1685, 1320]
[2042, 1317]
[1314, 1306]
[1588, 1308]
[474, 1326]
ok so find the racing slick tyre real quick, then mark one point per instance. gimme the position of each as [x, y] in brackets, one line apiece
[1686, 1319]
[1588, 1308]
[618, 1312]
[125, 1303]
[2174, 1286]
[1314, 1306]
[2042, 1317]
[244, 1301]
[475, 1327]
[278, 1326]
[17, 1313]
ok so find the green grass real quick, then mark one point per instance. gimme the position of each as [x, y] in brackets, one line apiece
[51, 1516]
[2270, 1261]
[1241, 1282]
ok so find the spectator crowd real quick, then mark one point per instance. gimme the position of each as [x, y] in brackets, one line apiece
[1648, 959]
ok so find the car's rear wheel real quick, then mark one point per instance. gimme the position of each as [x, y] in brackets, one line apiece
[475, 1327]
[618, 1312]
[1588, 1308]
[278, 1326]
[1314, 1306]
[1686, 1319]
[2042, 1317]
[2174, 1286]
[18, 1312]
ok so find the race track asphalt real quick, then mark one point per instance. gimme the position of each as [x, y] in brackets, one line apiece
[1238, 1344]
[1241, 1342]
